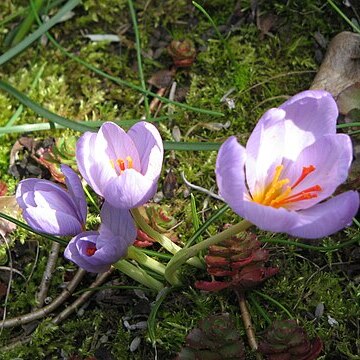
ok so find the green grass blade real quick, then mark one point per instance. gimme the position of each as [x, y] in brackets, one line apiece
[355, 28]
[187, 146]
[42, 111]
[138, 55]
[39, 32]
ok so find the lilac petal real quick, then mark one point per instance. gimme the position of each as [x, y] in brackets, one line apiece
[230, 176]
[52, 221]
[118, 144]
[76, 191]
[117, 222]
[24, 193]
[74, 252]
[150, 147]
[93, 164]
[331, 155]
[129, 190]
[309, 115]
[264, 152]
[268, 218]
[326, 218]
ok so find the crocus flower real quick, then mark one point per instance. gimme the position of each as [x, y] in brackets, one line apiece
[293, 161]
[95, 251]
[122, 167]
[49, 208]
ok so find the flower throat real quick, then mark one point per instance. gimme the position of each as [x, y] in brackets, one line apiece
[279, 194]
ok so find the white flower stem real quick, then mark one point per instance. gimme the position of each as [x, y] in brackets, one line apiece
[143, 259]
[138, 275]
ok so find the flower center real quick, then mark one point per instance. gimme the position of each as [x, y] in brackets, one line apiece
[120, 166]
[90, 250]
[279, 194]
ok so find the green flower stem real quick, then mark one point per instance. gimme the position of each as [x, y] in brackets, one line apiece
[183, 255]
[138, 274]
[136, 254]
[275, 302]
[163, 240]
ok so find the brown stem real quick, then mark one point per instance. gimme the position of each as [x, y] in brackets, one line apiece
[79, 301]
[45, 311]
[246, 318]
[45, 282]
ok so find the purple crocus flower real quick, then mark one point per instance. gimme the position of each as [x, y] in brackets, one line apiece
[122, 167]
[95, 251]
[293, 161]
[49, 208]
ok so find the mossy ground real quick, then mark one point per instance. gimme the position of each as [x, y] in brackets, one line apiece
[264, 70]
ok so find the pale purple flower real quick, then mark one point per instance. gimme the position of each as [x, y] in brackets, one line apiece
[49, 208]
[293, 161]
[95, 251]
[122, 167]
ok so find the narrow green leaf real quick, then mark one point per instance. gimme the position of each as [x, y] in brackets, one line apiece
[71, 4]
[187, 146]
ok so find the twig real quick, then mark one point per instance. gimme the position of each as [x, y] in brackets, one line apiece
[20, 340]
[79, 301]
[199, 188]
[45, 282]
[246, 318]
[45, 311]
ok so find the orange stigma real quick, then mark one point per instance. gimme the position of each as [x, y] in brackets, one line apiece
[279, 194]
[90, 250]
[305, 172]
[121, 164]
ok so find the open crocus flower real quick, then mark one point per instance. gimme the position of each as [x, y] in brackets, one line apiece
[95, 251]
[293, 161]
[122, 167]
[49, 208]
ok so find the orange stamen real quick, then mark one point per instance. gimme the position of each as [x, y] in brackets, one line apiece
[129, 162]
[121, 164]
[90, 251]
[305, 172]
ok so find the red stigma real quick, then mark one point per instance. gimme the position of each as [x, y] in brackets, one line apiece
[305, 172]
[90, 250]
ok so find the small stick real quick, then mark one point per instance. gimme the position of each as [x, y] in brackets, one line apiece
[249, 329]
[84, 297]
[45, 311]
[45, 282]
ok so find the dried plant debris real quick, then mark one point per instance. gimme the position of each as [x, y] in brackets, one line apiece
[239, 262]
[286, 340]
[216, 338]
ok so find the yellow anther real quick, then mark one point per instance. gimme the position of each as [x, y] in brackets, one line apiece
[129, 162]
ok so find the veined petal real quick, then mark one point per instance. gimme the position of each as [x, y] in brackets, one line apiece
[25, 192]
[331, 155]
[117, 222]
[90, 165]
[149, 144]
[129, 190]
[76, 191]
[230, 176]
[52, 221]
[74, 251]
[326, 218]
[118, 144]
[264, 151]
[268, 218]
[309, 115]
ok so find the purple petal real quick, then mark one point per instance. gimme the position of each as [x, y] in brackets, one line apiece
[264, 151]
[129, 190]
[268, 218]
[309, 115]
[25, 193]
[75, 252]
[230, 176]
[93, 164]
[150, 147]
[331, 155]
[326, 218]
[76, 191]
[118, 144]
[52, 221]
[117, 222]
